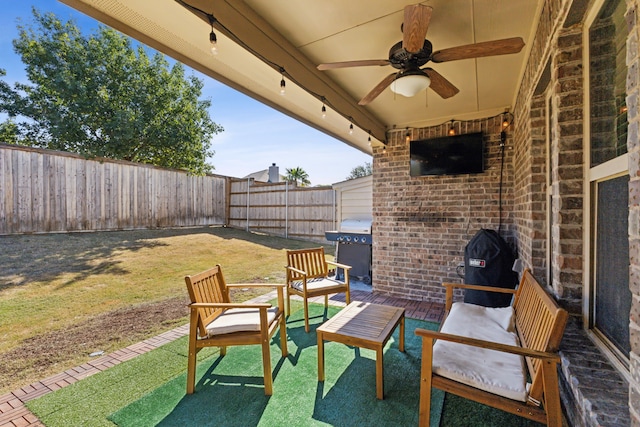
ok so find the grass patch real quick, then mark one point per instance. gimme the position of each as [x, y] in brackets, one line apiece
[89, 402]
[64, 296]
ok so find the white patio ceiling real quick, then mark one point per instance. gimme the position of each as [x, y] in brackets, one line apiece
[297, 35]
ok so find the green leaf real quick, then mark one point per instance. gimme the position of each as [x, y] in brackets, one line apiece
[98, 96]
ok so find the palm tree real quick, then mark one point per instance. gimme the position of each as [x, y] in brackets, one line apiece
[299, 176]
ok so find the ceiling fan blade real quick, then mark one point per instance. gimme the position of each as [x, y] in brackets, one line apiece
[415, 26]
[378, 89]
[347, 64]
[477, 50]
[440, 85]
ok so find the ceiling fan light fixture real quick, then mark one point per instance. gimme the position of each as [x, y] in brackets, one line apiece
[410, 84]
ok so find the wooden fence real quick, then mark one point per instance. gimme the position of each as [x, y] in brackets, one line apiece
[49, 191]
[282, 209]
[45, 191]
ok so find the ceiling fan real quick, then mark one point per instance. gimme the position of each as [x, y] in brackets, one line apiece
[414, 51]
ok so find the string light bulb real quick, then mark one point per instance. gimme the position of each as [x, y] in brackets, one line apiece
[283, 84]
[369, 139]
[507, 118]
[212, 37]
[214, 43]
[324, 112]
[407, 136]
[452, 130]
[351, 128]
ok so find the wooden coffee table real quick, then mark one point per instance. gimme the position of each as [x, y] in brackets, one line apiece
[362, 325]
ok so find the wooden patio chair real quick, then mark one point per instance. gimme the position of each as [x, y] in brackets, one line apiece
[216, 321]
[308, 277]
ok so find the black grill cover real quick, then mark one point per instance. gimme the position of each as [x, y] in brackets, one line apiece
[488, 260]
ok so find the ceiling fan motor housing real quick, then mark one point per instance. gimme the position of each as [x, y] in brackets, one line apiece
[401, 59]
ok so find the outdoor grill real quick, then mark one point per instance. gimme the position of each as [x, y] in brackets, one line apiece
[353, 247]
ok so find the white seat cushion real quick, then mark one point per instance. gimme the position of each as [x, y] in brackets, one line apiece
[318, 283]
[490, 370]
[239, 320]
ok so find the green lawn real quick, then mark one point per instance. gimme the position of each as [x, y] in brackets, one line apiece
[63, 296]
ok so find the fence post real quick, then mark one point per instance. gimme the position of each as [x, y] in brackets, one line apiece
[286, 209]
[335, 210]
[248, 204]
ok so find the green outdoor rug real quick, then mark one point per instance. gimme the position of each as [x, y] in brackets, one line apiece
[230, 392]
[149, 390]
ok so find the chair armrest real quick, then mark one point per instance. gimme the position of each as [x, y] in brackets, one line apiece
[431, 335]
[256, 285]
[228, 305]
[296, 270]
[346, 267]
[480, 287]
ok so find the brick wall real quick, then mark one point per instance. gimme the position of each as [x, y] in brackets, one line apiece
[531, 188]
[584, 366]
[422, 224]
[633, 147]
[567, 176]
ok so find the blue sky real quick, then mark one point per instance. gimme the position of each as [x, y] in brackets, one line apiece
[255, 135]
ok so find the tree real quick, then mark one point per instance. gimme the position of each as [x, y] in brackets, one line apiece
[9, 132]
[298, 175]
[100, 97]
[360, 171]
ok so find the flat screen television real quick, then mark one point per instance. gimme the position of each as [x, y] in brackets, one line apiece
[449, 155]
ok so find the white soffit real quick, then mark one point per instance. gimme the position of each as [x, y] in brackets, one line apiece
[335, 30]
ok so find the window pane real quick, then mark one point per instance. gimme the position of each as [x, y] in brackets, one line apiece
[607, 83]
[613, 297]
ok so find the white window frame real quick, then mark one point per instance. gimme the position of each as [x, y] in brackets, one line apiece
[611, 169]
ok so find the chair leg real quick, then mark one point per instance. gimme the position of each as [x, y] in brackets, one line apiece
[306, 315]
[326, 300]
[266, 364]
[425, 383]
[191, 373]
[193, 351]
[283, 337]
[288, 303]
[551, 393]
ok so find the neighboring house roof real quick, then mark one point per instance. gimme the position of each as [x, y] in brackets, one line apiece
[263, 176]
[354, 182]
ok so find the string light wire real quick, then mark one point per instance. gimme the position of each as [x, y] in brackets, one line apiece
[325, 102]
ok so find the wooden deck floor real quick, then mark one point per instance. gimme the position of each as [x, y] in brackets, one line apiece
[421, 310]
